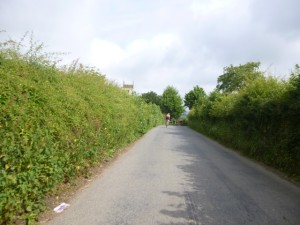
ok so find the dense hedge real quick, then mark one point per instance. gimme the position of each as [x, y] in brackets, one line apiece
[55, 124]
[262, 120]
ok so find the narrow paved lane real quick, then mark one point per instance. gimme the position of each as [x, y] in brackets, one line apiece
[175, 176]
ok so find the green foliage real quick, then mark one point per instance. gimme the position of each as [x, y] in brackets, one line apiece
[152, 97]
[293, 94]
[235, 77]
[194, 96]
[202, 110]
[171, 102]
[55, 123]
[291, 108]
[261, 119]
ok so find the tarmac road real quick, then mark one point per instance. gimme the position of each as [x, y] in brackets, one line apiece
[175, 176]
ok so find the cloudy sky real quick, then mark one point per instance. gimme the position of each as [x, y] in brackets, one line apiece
[156, 43]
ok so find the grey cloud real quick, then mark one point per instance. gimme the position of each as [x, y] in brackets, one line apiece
[281, 17]
[253, 30]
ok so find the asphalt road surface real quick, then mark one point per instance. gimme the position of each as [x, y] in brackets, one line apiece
[175, 176]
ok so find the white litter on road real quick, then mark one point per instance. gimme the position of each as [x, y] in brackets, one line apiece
[61, 207]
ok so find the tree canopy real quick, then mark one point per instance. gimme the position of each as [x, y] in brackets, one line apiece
[235, 77]
[195, 95]
[151, 97]
[171, 102]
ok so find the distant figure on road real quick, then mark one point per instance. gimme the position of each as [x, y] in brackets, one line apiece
[168, 117]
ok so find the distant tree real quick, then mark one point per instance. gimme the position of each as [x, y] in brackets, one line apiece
[235, 77]
[151, 97]
[171, 102]
[194, 96]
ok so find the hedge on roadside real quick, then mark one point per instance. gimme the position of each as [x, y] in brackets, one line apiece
[261, 120]
[55, 123]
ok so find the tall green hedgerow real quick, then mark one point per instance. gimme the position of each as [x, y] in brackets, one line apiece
[55, 123]
[261, 120]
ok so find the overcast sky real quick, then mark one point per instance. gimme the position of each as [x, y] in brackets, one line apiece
[156, 43]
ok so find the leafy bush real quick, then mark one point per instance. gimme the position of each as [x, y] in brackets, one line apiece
[55, 123]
